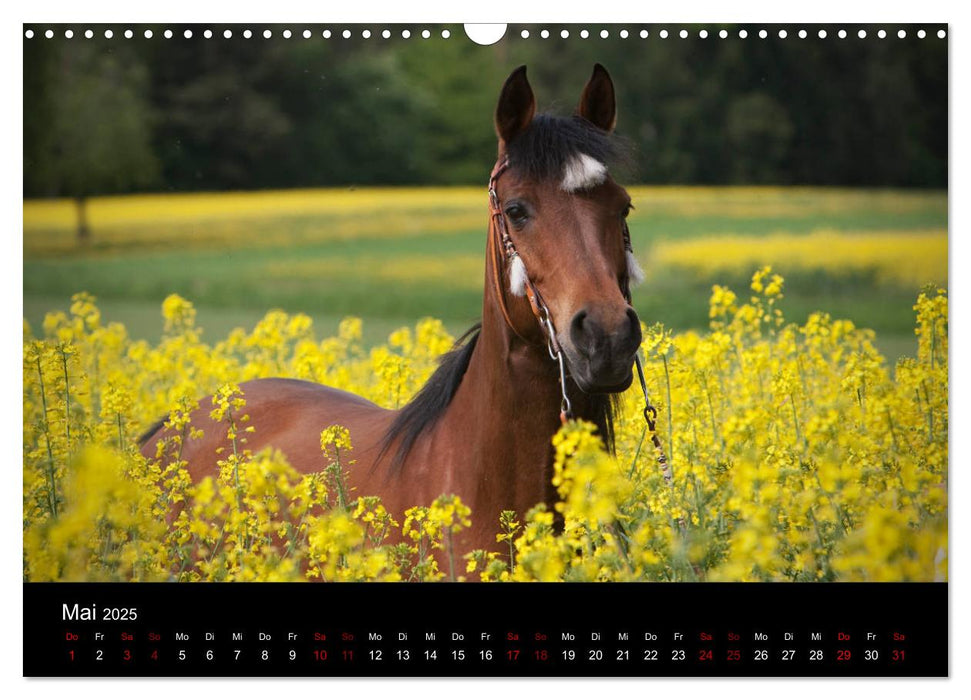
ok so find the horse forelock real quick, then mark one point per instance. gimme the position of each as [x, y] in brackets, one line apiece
[569, 150]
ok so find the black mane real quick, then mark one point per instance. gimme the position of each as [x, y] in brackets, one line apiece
[542, 150]
[428, 405]
[602, 408]
[151, 430]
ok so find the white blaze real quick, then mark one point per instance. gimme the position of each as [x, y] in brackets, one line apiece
[581, 172]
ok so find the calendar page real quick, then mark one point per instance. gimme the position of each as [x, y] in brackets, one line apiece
[364, 350]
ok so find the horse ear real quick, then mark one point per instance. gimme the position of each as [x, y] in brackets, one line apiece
[597, 103]
[516, 105]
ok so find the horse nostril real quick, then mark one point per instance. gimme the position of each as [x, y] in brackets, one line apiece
[635, 325]
[579, 330]
[576, 325]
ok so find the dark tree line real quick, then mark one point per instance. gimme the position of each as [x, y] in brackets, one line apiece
[124, 115]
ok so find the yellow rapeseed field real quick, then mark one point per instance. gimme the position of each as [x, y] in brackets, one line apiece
[797, 455]
[899, 257]
[229, 220]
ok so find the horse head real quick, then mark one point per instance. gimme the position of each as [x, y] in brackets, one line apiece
[561, 233]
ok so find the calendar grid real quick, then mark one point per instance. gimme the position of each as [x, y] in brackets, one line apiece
[344, 630]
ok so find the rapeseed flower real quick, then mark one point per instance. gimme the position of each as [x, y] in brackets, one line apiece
[795, 453]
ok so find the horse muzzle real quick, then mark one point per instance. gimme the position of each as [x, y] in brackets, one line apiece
[601, 349]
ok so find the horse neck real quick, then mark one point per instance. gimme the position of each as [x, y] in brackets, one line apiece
[507, 410]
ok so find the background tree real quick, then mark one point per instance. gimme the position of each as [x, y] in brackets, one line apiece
[87, 125]
[105, 116]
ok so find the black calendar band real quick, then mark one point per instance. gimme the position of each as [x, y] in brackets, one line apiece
[341, 630]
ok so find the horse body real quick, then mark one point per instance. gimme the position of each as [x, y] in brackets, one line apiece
[287, 414]
[481, 428]
[490, 446]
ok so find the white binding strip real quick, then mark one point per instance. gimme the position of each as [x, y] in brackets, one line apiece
[582, 172]
[635, 273]
[517, 276]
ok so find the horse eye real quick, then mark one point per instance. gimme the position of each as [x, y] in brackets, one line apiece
[517, 214]
[627, 210]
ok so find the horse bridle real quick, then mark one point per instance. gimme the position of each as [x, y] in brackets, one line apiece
[540, 310]
[542, 313]
[544, 318]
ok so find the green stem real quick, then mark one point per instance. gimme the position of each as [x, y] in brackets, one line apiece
[620, 540]
[232, 427]
[339, 479]
[893, 433]
[795, 417]
[667, 381]
[451, 555]
[51, 477]
[637, 452]
[185, 431]
[121, 434]
[67, 400]
[711, 412]
[930, 413]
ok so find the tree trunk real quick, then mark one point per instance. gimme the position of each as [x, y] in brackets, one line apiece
[84, 231]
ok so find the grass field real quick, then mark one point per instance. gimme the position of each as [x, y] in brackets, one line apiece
[394, 255]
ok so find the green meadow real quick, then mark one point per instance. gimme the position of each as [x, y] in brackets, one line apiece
[392, 256]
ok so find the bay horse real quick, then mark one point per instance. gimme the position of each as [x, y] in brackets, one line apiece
[557, 338]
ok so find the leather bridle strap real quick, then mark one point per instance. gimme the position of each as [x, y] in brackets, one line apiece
[501, 238]
[650, 412]
[536, 302]
[540, 310]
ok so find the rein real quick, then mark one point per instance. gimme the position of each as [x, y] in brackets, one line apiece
[541, 311]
